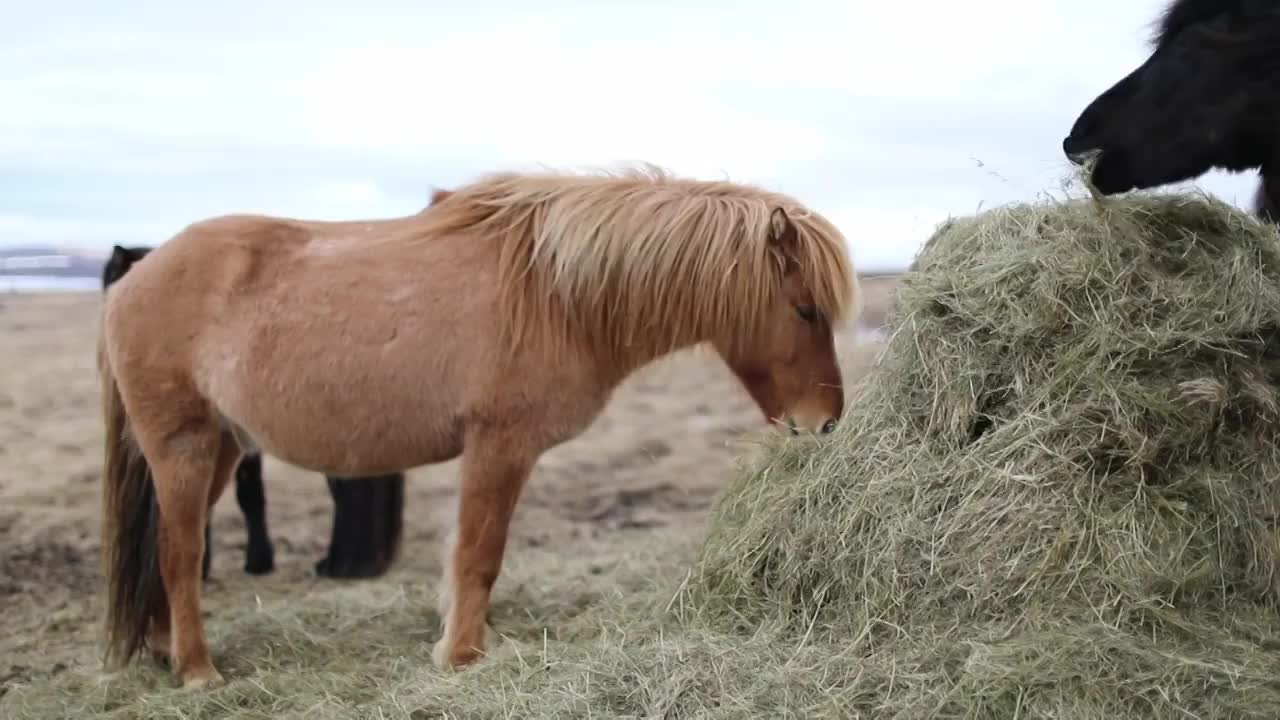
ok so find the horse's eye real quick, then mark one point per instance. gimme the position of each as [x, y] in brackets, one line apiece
[808, 312]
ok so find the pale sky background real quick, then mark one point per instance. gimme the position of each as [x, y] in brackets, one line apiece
[124, 121]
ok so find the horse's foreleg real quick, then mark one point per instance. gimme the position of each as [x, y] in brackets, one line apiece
[191, 469]
[251, 495]
[492, 477]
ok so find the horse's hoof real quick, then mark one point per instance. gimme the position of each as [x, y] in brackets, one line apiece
[460, 657]
[446, 658]
[327, 568]
[202, 680]
[440, 656]
[258, 565]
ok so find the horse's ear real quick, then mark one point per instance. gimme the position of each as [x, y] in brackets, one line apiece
[782, 232]
[118, 253]
[439, 194]
[782, 236]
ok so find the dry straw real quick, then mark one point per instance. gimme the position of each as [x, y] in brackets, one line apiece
[1055, 497]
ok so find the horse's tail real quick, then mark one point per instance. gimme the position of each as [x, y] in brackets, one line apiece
[130, 517]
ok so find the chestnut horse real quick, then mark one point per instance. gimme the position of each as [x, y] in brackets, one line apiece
[492, 325]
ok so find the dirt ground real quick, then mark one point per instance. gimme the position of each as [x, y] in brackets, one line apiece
[654, 461]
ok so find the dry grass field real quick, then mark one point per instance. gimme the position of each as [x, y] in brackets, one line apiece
[645, 475]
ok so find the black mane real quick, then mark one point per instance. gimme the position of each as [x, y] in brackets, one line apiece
[1182, 14]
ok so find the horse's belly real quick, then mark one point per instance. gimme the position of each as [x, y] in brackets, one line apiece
[347, 417]
[348, 450]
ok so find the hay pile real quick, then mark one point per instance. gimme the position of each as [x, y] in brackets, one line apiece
[1058, 495]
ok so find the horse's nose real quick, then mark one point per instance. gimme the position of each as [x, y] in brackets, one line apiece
[829, 426]
[1078, 151]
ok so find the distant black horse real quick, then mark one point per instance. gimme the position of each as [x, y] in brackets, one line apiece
[1207, 98]
[367, 512]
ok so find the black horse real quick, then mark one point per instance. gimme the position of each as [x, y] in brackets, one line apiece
[367, 515]
[1207, 98]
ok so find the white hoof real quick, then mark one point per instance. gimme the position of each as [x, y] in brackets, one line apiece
[203, 681]
[440, 652]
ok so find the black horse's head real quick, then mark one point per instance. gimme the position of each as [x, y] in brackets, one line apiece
[1208, 97]
[122, 258]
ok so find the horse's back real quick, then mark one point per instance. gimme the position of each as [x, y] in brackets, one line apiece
[216, 260]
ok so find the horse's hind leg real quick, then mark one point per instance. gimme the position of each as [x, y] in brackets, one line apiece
[493, 473]
[191, 467]
[251, 495]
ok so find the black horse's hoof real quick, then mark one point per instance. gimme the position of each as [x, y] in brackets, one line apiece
[259, 563]
[328, 568]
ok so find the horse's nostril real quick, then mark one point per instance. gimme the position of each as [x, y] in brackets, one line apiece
[829, 426]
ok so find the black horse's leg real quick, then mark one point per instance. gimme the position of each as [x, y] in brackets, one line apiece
[367, 525]
[208, 551]
[259, 556]
[341, 507]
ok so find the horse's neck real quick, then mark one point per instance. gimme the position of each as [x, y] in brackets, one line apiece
[1266, 202]
[616, 367]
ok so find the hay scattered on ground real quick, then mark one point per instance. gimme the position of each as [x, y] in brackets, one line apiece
[1055, 497]
[364, 650]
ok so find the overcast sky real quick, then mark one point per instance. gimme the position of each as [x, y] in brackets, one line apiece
[124, 121]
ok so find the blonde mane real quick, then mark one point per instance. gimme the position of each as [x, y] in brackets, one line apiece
[640, 258]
